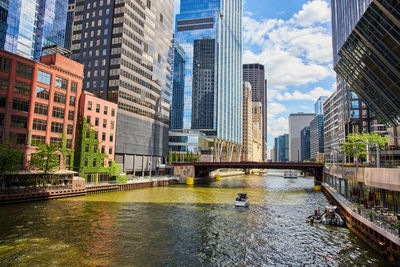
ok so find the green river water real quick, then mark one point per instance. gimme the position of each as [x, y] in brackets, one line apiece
[182, 226]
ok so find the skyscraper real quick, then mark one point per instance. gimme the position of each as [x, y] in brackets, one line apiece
[305, 143]
[29, 25]
[69, 23]
[210, 35]
[281, 148]
[126, 47]
[316, 136]
[247, 154]
[319, 105]
[297, 121]
[255, 75]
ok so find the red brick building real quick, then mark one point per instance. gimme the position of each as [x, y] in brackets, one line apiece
[39, 101]
[102, 115]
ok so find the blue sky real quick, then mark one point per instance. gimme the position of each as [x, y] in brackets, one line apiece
[293, 39]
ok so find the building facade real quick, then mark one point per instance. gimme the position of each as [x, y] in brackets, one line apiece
[258, 119]
[69, 24]
[334, 130]
[39, 103]
[126, 47]
[305, 143]
[255, 75]
[281, 148]
[210, 35]
[319, 105]
[29, 25]
[247, 150]
[316, 136]
[366, 55]
[297, 122]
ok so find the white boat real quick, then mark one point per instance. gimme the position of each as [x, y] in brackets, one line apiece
[330, 217]
[242, 200]
[289, 174]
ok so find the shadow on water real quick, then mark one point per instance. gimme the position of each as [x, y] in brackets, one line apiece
[181, 225]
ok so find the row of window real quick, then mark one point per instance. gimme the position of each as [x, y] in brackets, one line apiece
[42, 109]
[103, 136]
[95, 148]
[96, 122]
[98, 107]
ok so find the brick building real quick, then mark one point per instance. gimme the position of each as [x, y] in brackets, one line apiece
[39, 101]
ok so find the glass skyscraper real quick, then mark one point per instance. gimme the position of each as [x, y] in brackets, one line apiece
[29, 25]
[210, 36]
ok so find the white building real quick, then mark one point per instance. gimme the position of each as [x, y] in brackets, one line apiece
[297, 121]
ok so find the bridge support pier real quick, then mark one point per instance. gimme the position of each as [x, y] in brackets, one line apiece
[247, 171]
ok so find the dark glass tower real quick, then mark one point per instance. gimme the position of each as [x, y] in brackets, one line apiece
[305, 143]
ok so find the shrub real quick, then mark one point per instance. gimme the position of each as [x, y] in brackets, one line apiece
[122, 179]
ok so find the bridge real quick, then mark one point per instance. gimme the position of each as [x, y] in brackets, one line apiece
[203, 169]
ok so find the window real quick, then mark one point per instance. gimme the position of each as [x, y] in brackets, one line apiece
[59, 97]
[55, 141]
[44, 77]
[89, 106]
[4, 65]
[88, 118]
[72, 100]
[148, 4]
[2, 119]
[105, 31]
[41, 109]
[94, 162]
[74, 86]
[21, 104]
[103, 149]
[104, 123]
[70, 129]
[95, 149]
[96, 135]
[71, 115]
[161, 18]
[58, 112]
[113, 112]
[110, 150]
[87, 134]
[42, 92]
[22, 88]
[96, 122]
[61, 83]
[103, 137]
[87, 148]
[3, 100]
[3, 83]
[111, 137]
[39, 125]
[18, 121]
[24, 71]
[112, 125]
[105, 110]
[37, 139]
[56, 127]
[17, 138]
[86, 162]
[69, 143]
[106, 22]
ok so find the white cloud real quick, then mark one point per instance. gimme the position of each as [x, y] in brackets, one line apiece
[278, 126]
[310, 95]
[305, 107]
[312, 12]
[295, 51]
[275, 108]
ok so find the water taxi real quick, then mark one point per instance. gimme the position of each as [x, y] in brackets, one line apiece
[290, 174]
[331, 217]
[242, 200]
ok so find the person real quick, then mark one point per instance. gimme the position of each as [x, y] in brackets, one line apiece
[315, 213]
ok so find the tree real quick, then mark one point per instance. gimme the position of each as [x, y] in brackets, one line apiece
[46, 159]
[353, 144]
[10, 159]
[175, 157]
[114, 169]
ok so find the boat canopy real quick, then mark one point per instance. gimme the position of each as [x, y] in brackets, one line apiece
[242, 195]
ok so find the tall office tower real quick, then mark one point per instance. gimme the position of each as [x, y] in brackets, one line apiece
[305, 143]
[29, 25]
[69, 24]
[319, 105]
[317, 136]
[126, 47]
[247, 154]
[297, 121]
[365, 42]
[178, 88]
[281, 148]
[257, 131]
[255, 75]
[210, 35]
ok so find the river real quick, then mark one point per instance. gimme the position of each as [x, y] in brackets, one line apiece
[182, 226]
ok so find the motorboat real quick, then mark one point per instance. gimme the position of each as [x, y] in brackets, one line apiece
[314, 218]
[291, 174]
[331, 217]
[242, 200]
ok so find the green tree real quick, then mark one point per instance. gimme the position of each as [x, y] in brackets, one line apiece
[353, 143]
[175, 157]
[46, 159]
[10, 159]
[114, 169]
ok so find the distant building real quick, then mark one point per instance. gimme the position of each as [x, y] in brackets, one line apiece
[39, 103]
[69, 24]
[255, 75]
[281, 148]
[319, 105]
[297, 121]
[178, 88]
[257, 131]
[186, 145]
[29, 25]
[334, 132]
[316, 136]
[305, 143]
[247, 150]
